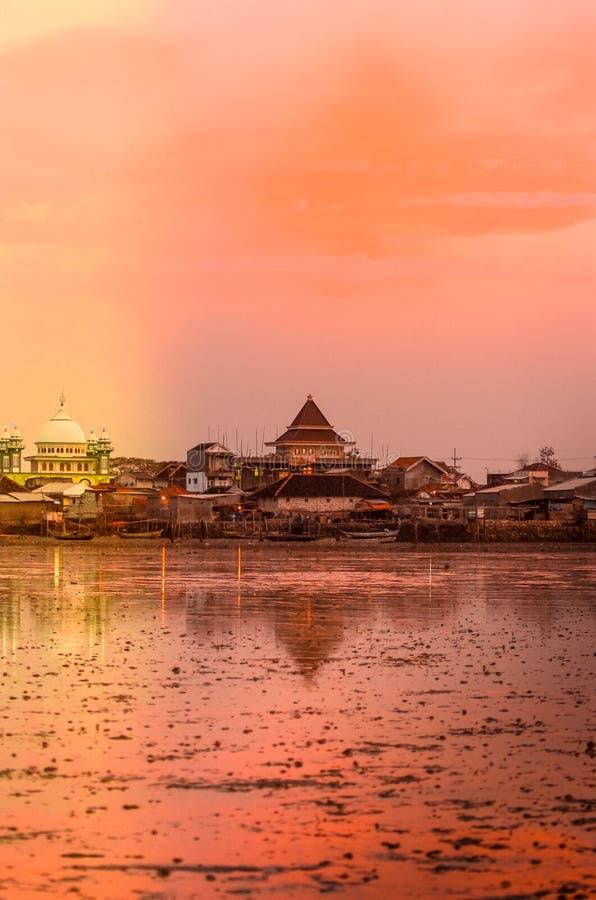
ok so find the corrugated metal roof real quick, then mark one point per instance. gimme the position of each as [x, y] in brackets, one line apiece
[53, 487]
[572, 484]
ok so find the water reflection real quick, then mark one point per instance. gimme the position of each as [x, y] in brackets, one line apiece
[356, 720]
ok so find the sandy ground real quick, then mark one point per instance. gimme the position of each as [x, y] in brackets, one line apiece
[208, 720]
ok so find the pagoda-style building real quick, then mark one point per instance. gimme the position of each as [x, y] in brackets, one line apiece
[311, 443]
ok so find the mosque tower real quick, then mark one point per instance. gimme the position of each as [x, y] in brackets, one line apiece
[63, 453]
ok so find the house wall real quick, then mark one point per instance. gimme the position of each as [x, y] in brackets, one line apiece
[196, 482]
[306, 505]
[413, 479]
[185, 510]
[14, 513]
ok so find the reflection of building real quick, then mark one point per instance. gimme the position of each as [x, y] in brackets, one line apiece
[311, 631]
[62, 453]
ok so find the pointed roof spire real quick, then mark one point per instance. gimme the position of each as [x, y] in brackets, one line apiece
[62, 399]
[311, 427]
[310, 416]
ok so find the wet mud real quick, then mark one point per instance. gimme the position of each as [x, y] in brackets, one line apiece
[371, 722]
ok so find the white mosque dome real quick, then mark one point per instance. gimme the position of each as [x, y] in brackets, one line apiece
[61, 429]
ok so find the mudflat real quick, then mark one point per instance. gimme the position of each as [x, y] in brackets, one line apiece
[215, 720]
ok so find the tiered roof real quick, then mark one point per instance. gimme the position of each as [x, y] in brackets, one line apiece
[310, 427]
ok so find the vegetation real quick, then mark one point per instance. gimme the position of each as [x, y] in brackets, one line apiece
[546, 456]
[138, 465]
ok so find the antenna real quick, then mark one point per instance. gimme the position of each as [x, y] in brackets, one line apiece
[455, 458]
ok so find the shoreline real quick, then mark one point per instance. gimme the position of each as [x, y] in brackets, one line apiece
[327, 544]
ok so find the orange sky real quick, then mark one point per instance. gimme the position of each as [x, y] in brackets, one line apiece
[210, 209]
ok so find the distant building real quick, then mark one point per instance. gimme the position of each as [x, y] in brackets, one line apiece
[504, 501]
[536, 472]
[62, 453]
[11, 448]
[172, 475]
[411, 473]
[209, 467]
[310, 441]
[330, 494]
[568, 499]
[19, 507]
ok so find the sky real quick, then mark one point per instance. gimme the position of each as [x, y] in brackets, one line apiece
[210, 209]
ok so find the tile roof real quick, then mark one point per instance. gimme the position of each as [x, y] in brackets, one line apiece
[320, 486]
[310, 425]
[310, 416]
[406, 462]
[310, 436]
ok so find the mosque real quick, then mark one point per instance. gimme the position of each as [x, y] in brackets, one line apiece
[63, 453]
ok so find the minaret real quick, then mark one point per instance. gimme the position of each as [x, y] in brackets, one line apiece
[4, 455]
[11, 448]
[104, 448]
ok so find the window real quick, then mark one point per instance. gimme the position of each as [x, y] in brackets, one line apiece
[44, 466]
[68, 467]
[79, 467]
[62, 467]
[51, 467]
[86, 467]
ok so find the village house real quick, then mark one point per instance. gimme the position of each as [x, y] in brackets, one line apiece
[504, 501]
[77, 502]
[534, 472]
[173, 474]
[571, 500]
[209, 467]
[330, 495]
[408, 474]
[20, 508]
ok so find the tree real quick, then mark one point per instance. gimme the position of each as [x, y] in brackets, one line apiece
[546, 456]
[522, 460]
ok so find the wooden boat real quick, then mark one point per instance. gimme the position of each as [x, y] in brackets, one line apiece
[386, 533]
[153, 533]
[75, 536]
[288, 536]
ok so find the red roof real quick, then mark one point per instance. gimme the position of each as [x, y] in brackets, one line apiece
[406, 462]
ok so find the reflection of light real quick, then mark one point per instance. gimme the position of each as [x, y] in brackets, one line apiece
[9, 629]
[56, 566]
[239, 597]
[430, 578]
[163, 583]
